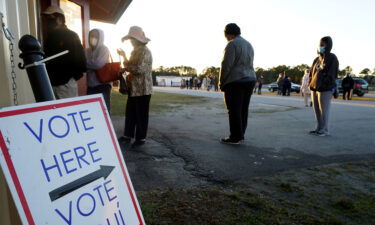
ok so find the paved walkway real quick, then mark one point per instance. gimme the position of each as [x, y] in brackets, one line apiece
[259, 98]
[183, 148]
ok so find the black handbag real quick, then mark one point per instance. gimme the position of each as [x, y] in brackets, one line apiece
[123, 89]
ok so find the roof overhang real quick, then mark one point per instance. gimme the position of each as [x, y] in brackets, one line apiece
[108, 11]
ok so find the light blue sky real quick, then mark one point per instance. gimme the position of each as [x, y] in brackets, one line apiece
[281, 31]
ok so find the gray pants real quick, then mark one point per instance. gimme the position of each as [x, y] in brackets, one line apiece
[322, 106]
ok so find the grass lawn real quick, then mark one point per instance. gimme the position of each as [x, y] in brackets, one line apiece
[329, 195]
[160, 102]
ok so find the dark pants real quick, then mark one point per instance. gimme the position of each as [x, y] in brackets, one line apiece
[237, 98]
[136, 117]
[346, 93]
[280, 89]
[104, 89]
[286, 91]
[260, 88]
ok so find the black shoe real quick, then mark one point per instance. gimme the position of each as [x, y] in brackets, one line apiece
[321, 134]
[138, 143]
[230, 141]
[124, 140]
[313, 132]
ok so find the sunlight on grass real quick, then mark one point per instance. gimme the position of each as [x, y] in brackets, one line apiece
[160, 102]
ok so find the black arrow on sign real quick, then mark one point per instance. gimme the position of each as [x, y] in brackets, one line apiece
[104, 172]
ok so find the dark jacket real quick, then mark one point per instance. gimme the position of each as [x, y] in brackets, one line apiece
[280, 82]
[71, 65]
[347, 83]
[286, 83]
[260, 80]
[324, 70]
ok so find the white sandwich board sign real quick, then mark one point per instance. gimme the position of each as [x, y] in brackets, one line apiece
[63, 164]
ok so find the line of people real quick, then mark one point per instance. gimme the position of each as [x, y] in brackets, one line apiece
[68, 69]
[237, 78]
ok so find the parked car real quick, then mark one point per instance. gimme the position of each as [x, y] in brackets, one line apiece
[360, 86]
[296, 88]
[272, 87]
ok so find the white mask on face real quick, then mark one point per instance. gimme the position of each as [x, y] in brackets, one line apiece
[93, 41]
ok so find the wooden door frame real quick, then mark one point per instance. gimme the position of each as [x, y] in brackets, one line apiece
[85, 7]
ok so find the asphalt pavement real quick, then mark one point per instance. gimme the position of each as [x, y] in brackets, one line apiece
[183, 148]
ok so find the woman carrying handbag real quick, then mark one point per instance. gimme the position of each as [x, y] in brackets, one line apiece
[97, 56]
[139, 87]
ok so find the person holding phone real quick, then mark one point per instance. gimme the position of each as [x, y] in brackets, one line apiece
[139, 85]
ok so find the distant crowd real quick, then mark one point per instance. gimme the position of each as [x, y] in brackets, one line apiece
[201, 83]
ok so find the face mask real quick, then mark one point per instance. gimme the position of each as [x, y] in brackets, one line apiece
[322, 50]
[93, 41]
[51, 23]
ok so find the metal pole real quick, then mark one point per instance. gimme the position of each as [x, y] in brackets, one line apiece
[38, 76]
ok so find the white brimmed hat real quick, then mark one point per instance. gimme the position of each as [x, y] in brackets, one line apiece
[136, 33]
[53, 9]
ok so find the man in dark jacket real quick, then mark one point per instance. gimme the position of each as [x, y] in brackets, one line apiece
[260, 84]
[287, 86]
[237, 81]
[322, 84]
[65, 70]
[347, 87]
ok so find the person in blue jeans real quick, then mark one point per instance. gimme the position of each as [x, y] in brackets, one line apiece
[237, 81]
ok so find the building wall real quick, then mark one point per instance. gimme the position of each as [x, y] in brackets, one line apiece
[17, 18]
[20, 17]
[23, 17]
[167, 81]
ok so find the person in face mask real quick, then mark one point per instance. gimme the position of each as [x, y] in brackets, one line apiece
[65, 70]
[97, 55]
[322, 83]
[139, 86]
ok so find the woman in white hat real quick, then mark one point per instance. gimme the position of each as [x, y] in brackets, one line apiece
[139, 84]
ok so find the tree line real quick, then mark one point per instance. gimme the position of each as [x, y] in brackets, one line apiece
[269, 74]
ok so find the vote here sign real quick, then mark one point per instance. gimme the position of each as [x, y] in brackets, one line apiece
[64, 166]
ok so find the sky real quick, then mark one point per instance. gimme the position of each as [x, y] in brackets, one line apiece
[282, 32]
